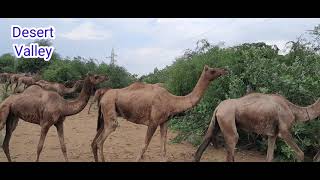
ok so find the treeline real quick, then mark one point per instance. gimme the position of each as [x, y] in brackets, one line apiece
[257, 66]
[62, 70]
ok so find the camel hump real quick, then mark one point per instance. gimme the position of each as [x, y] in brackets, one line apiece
[136, 85]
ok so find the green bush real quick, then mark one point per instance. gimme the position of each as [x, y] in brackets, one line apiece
[294, 75]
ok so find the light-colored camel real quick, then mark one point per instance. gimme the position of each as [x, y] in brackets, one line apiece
[266, 114]
[45, 108]
[146, 104]
[58, 87]
[97, 96]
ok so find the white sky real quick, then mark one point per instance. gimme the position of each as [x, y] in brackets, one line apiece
[146, 43]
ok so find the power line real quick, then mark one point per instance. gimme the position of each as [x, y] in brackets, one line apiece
[112, 57]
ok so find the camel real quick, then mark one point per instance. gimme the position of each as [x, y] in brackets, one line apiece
[97, 96]
[149, 105]
[58, 87]
[27, 81]
[14, 79]
[45, 108]
[266, 114]
[4, 77]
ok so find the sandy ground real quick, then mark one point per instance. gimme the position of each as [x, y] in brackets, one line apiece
[121, 146]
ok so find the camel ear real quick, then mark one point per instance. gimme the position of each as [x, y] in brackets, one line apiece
[206, 67]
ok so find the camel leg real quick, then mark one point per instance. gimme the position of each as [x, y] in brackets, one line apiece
[227, 123]
[231, 142]
[103, 136]
[231, 136]
[15, 88]
[163, 133]
[59, 127]
[270, 151]
[151, 129]
[94, 146]
[10, 127]
[287, 137]
[6, 86]
[44, 131]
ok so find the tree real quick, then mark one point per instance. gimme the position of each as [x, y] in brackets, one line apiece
[36, 65]
[7, 63]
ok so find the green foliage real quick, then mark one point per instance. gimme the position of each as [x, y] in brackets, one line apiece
[118, 76]
[294, 75]
[35, 65]
[7, 62]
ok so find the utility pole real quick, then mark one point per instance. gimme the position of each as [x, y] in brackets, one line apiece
[112, 57]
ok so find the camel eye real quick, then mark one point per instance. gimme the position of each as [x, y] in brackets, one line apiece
[96, 77]
[212, 72]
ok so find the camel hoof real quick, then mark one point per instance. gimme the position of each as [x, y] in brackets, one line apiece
[139, 159]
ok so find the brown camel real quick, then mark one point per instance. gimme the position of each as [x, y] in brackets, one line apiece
[4, 77]
[266, 114]
[97, 96]
[146, 104]
[14, 79]
[58, 87]
[27, 81]
[45, 108]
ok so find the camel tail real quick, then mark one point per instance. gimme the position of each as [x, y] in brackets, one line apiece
[4, 113]
[100, 119]
[209, 137]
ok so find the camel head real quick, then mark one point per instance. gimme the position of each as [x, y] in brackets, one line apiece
[96, 79]
[213, 73]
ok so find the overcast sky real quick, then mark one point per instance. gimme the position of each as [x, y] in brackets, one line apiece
[143, 44]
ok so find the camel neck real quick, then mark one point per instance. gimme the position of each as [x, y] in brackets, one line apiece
[183, 103]
[314, 110]
[306, 113]
[71, 90]
[75, 106]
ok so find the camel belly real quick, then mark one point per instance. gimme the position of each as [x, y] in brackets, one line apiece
[258, 119]
[259, 126]
[135, 109]
[31, 119]
[27, 113]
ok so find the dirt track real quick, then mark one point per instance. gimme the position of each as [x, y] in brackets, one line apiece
[122, 145]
